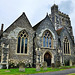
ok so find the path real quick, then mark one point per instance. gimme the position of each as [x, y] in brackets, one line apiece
[64, 72]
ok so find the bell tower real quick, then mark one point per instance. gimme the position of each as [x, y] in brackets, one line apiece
[55, 17]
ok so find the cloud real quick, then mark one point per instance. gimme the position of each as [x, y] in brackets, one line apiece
[72, 16]
[66, 6]
[35, 10]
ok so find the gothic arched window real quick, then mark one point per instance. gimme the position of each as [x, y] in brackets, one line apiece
[22, 42]
[66, 46]
[47, 39]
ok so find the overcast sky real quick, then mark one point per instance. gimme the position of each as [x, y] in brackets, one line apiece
[35, 10]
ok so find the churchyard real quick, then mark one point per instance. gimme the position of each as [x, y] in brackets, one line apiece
[24, 71]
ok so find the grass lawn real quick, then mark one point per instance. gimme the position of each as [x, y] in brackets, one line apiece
[72, 74]
[30, 71]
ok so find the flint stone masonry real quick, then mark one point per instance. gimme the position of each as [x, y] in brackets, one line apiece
[35, 50]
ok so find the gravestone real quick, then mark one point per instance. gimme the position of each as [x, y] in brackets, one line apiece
[58, 64]
[45, 65]
[37, 66]
[53, 65]
[22, 67]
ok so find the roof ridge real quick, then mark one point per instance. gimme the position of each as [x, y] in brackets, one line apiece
[59, 28]
[22, 15]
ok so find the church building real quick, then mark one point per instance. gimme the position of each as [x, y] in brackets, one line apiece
[50, 40]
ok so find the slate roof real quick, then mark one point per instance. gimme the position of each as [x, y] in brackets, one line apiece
[37, 25]
[12, 26]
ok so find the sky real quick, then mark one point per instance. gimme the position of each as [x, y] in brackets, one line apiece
[35, 10]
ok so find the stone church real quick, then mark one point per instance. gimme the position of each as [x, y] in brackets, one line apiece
[50, 40]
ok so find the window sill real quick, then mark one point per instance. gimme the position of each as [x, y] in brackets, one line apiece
[47, 48]
[3, 63]
[66, 54]
[21, 54]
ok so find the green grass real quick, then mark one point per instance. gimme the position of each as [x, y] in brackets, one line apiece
[27, 71]
[30, 71]
[72, 74]
[67, 67]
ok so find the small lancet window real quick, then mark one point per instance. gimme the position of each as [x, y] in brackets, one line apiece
[22, 42]
[26, 45]
[18, 47]
[50, 42]
[47, 41]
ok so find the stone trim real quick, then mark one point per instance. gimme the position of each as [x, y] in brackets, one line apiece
[67, 47]
[23, 46]
[51, 37]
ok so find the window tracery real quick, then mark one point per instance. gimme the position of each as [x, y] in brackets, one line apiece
[66, 46]
[22, 42]
[47, 39]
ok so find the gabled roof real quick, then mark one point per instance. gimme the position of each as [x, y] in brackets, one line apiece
[38, 24]
[59, 31]
[13, 25]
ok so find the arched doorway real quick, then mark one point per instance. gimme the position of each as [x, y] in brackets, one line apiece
[47, 58]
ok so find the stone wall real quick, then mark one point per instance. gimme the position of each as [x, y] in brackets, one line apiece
[11, 34]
